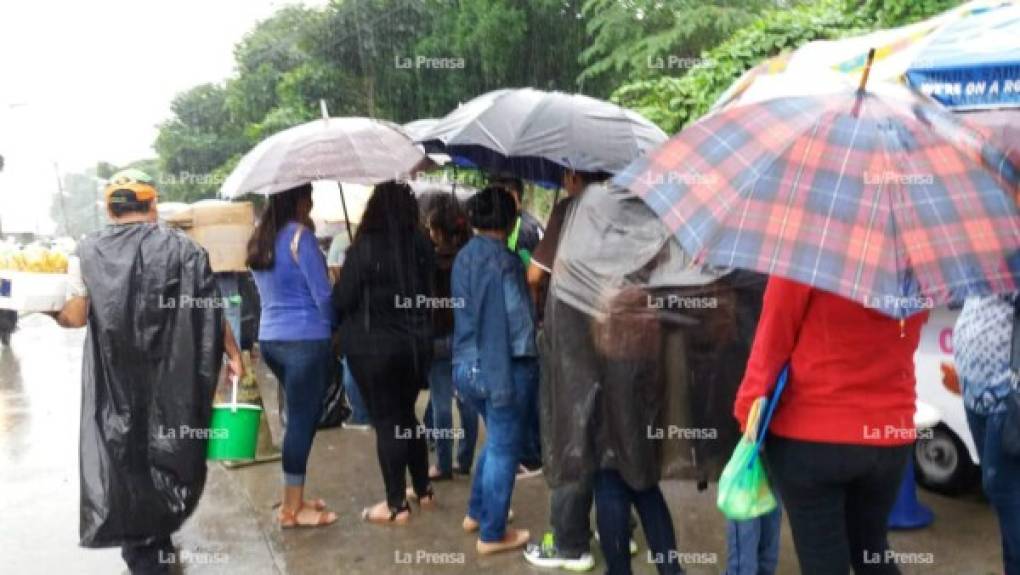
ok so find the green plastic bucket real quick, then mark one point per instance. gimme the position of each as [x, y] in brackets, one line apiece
[235, 430]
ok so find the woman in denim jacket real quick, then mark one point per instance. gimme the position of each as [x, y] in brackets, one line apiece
[495, 366]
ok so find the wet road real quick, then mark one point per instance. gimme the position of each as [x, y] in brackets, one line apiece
[233, 530]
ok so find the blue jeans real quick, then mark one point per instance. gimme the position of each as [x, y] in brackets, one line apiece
[613, 500]
[359, 414]
[441, 423]
[303, 368]
[493, 483]
[752, 547]
[1000, 477]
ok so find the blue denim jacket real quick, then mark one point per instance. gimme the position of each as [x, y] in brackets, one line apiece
[493, 320]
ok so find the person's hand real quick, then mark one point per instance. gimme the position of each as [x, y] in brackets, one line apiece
[754, 418]
[235, 366]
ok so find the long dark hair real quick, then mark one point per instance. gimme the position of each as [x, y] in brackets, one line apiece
[447, 217]
[391, 208]
[280, 209]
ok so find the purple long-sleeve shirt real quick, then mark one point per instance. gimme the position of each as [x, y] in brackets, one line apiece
[295, 295]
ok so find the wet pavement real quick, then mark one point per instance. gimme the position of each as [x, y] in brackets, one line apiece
[233, 530]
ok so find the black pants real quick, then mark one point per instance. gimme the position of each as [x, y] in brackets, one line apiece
[154, 558]
[838, 498]
[389, 384]
[569, 513]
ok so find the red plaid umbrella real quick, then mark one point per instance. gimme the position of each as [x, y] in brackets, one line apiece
[870, 195]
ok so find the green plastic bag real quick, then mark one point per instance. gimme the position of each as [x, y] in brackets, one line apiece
[744, 491]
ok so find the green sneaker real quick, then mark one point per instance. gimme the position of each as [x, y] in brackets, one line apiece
[546, 555]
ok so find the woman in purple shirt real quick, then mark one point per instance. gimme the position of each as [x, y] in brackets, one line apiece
[294, 336]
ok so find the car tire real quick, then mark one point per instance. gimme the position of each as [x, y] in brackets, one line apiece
[942, 463]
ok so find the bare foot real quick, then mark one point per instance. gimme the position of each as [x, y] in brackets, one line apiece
[514, 539]
[380, 513]
[470, 525]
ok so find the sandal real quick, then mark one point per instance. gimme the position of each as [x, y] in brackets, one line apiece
[366, 515]
[316, 504]
[426, 501]
[288, 519]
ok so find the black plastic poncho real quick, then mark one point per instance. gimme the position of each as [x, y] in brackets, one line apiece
[152, 357]
[642, 353]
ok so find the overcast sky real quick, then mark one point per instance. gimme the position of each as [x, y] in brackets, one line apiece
[82, 82]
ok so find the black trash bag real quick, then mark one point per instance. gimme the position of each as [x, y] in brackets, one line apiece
[336, 408]
[642, 352]
[152, 359]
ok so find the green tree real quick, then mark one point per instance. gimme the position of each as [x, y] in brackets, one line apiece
[634, 39]
[198, 139]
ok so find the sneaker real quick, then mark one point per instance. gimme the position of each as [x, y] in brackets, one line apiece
[633, 544]
[357, 426]
[524, 472]
[548, 556]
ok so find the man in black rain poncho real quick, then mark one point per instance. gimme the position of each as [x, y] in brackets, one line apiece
[156, 337]
[642, 355]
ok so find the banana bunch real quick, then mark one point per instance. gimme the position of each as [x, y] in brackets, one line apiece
[34, 259]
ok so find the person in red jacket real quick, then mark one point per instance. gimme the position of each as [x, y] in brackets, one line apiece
[843, 429]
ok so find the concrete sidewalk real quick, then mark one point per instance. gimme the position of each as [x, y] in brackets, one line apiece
[234, 525]
[233, 531]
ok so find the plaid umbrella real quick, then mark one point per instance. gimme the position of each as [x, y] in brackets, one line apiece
[865, 194]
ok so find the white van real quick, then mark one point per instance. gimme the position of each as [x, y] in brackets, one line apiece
[947, 460]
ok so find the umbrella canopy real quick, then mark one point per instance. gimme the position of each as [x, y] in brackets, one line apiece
[537, 135]
[355, 150]
[964, 58]
[858, 193]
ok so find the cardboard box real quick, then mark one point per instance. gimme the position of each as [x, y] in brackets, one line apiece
[222, 228]
[28, 292]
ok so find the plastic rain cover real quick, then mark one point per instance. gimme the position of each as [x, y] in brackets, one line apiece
[642, 353]
[152, 357]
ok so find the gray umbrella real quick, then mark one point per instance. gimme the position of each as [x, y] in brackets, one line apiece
[536, 134]
[354, 150]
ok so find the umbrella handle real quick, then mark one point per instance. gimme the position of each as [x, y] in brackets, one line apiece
[864, 82]
[347, 219]
[234, 380]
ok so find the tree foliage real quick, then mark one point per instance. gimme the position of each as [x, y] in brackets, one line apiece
[408, 59]
[673, 102]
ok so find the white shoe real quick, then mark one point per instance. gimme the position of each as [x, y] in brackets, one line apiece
[547, 556]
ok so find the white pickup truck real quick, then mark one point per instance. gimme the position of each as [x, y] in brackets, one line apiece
[946, 461]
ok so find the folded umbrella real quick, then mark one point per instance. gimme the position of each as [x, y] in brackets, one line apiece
[351, 150]
[866, 194]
